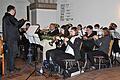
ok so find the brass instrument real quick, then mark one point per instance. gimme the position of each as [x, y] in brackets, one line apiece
[59, 41]
[55, 39]
[44, 31]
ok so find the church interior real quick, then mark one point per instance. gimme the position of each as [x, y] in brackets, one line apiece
[59, 39]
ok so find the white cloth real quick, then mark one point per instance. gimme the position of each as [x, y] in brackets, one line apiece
[69, 48]
[99, 32]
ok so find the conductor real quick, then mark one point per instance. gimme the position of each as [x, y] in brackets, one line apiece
[10, 27]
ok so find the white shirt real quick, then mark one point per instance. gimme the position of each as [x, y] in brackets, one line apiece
[115, 34]
[69, 48]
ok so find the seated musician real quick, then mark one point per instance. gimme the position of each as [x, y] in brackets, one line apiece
[116, 37]
[60, 46]
[103, 46]
[72, 50]
[80, 30]
[24, 41]
[88, 42]
[53, 30]
[98, 30]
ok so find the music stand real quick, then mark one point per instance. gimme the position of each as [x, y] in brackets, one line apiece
[116, 49]
[33, 39]
[31, 36]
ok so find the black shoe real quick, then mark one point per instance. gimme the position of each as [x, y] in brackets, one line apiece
[66, 74]
[92, 68]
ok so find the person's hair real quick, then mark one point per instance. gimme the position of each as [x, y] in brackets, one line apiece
[10, 7]
[66, 32]
[80, 25]
[52, 24]
[70, 25]
[97, 25]
[106, 31]
[75, 29]
[28, 24]
[105, 28]
[112, 26]
[90, 27]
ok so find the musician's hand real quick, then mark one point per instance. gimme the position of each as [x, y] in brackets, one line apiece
[66, 39]
[85, 38]
[62, 38]
[95, 37]
[57, 37]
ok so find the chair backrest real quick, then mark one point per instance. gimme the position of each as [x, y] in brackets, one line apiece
[110, 47]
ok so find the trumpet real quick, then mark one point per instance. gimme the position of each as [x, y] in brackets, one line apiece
[57, 39]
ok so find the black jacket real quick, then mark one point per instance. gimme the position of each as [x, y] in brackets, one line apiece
[10, 27]
[103, 44]
[76, 47]
[54, 33]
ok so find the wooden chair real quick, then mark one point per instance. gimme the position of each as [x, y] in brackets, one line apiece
[100, 58]
[71, 62]
[2, 56]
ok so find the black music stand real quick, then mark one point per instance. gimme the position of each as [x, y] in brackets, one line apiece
[116, 49]
[116, 60]
[33, 39]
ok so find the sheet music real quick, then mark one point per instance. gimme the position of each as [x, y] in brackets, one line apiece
[31, 36]
[36, 39]
[32, 29]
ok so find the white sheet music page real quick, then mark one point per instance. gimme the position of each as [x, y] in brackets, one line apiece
[36, 39]
[32, 29]
[31, 36]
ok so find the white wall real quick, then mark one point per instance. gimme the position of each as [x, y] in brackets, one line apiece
[3, 5]
[82, 11]
[92, 11]
[45, 17]
[21, 7]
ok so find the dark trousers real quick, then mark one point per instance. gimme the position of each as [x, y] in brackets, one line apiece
[10, 54]
[91, 55]
[58, 56]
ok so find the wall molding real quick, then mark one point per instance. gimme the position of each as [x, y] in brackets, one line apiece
[39, 5]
